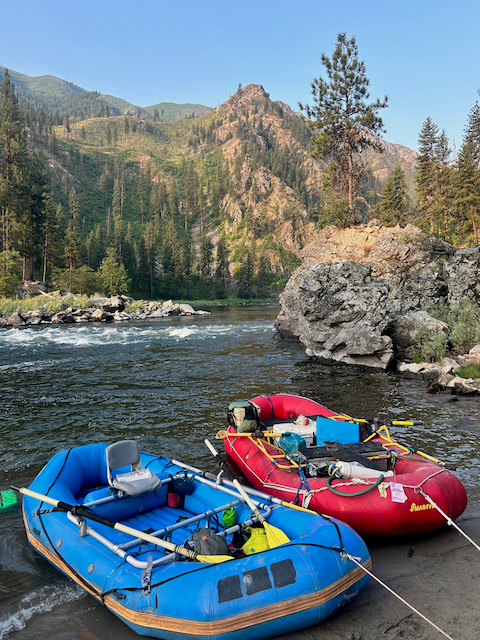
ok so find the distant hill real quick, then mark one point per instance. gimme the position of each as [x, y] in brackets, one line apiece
[53, 94]
[68, 99]
[170, 111]
[382, 164]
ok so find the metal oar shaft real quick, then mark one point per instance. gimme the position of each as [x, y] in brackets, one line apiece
[78, 510]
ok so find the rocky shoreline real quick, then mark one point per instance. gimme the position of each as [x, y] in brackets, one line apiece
[100, 310]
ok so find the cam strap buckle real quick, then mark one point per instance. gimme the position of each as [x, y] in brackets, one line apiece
[146, 576]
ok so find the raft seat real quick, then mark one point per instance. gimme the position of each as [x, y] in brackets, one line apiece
[137, 481]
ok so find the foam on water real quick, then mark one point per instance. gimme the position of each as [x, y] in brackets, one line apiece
[80, 337]
[15, 617]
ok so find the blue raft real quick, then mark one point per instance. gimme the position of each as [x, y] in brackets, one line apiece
[161, 594]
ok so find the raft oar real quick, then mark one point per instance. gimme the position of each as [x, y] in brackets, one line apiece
[78, 510]
[221, 435]
[275, 536]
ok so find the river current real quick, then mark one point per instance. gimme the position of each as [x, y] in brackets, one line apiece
[168, 383]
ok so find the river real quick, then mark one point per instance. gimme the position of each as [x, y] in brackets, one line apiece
[168, 383]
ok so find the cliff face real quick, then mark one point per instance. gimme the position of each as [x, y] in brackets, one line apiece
[354, 284]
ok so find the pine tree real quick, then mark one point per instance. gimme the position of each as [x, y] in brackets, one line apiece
[426, 173]
[395, 205]
[10, 271]
[113, 275]
[472, 132]
[13, 159]
[342, 121]
[206, 257]
[141, 193]
[50, 231]
[443, 214]
[264, 270]
[171, 251]
[222, 270]
[467, 192]
[245, 275]
[150, 239]
[117, 216]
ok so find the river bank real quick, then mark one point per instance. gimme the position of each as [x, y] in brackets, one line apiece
[80, 309]
[438, 574]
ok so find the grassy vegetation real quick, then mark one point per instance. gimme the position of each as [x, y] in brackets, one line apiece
[468, 371]
[431, 347]
[43, 303]
[464, 322]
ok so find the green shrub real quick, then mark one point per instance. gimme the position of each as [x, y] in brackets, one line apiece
[416, 359]
[134, 306]
[435, 349]
[440, 311]
[465, 330]
[82, 280]
[431, 347]
[468, 371]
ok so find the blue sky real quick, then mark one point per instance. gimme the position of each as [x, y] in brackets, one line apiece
[424, 55]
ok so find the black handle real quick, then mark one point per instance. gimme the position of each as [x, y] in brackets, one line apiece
[221, 463]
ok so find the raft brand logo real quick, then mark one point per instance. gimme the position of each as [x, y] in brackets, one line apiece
[420, 507]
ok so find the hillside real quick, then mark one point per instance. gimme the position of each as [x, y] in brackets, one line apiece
[187, 203]
[67, 99]
[168, 111]
[248, 159]
[172, 111]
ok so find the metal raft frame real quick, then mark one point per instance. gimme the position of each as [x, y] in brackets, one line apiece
[121, 549]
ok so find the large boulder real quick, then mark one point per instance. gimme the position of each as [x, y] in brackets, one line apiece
[114, 304]
[351, 313]
[29, 289]
[15, 320]
[338, 313]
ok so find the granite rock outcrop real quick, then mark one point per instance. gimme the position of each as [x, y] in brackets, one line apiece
[360, 292]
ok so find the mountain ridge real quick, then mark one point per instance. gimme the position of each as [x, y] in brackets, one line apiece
[50, 92]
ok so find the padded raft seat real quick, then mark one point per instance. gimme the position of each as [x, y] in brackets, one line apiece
[138, 480]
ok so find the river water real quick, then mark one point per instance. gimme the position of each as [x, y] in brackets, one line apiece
[168, 383]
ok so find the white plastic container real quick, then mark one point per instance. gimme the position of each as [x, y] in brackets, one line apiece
[356, 470]
[306, 431]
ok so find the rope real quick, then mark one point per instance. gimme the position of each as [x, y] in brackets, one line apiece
[397, 596]
[357, 493]
[448, 519]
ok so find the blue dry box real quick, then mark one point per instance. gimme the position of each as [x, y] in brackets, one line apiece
[343, 432]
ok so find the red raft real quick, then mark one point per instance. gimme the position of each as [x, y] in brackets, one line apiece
[409, 496]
